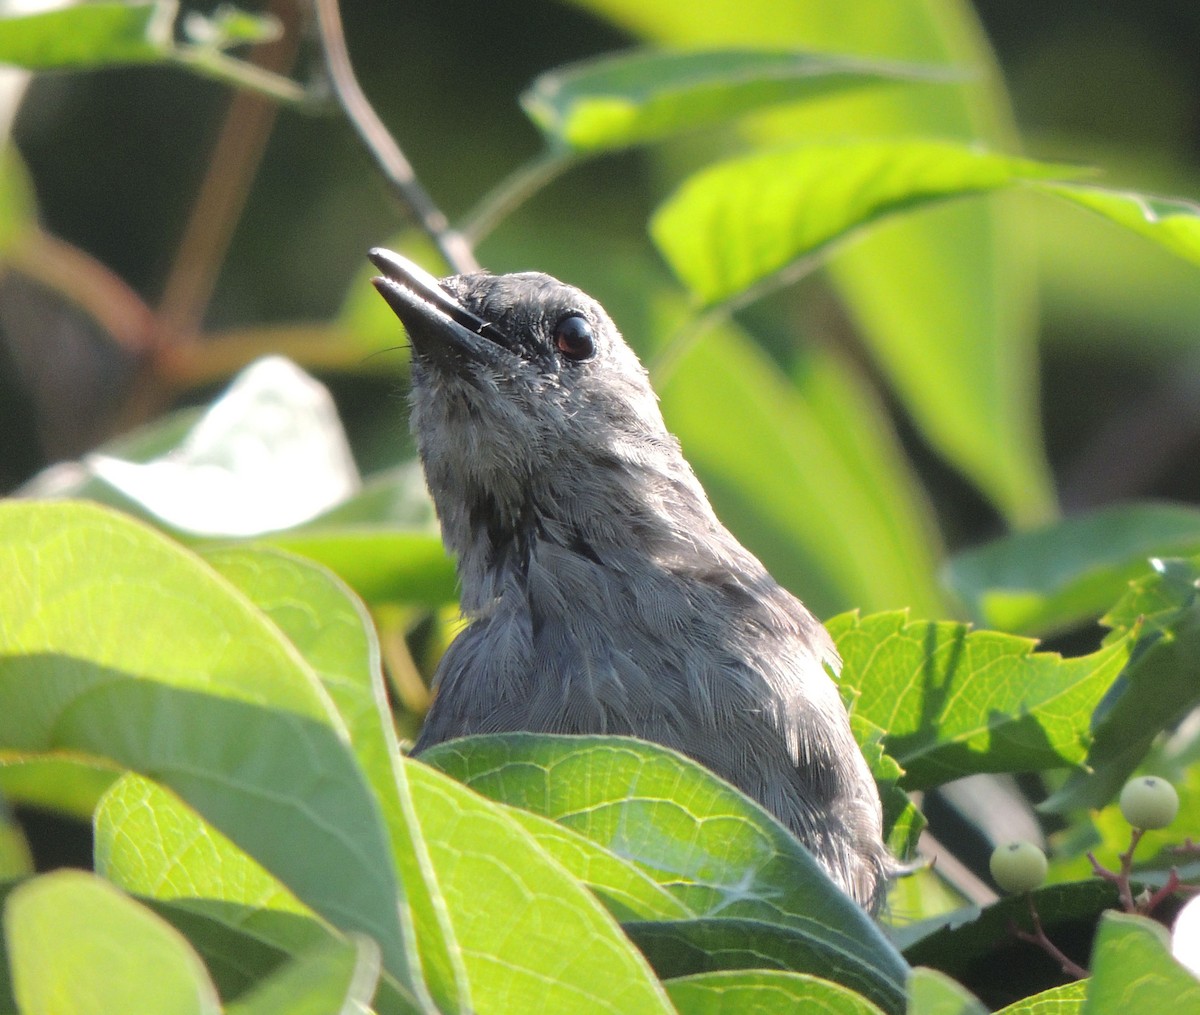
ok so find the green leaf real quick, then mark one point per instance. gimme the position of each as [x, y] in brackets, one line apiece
[688, 947]
[1064, 1000]
[859, 533]
[762, 992]
[87, 35]
[1070, 571]
[1132, 970]
[77, 944]
[717, 851]
[269, 454]
[1171, 223]
[69, 785]
[338, 976]
[641, 96]
[322, 619]
[150, 844]
[628, 892]
[118, 644]
[105, 34]
[532, 937]
[931, 993]
[956, 702]
[1157, 689]
[734, 226]
[381, 563]
[945, 300]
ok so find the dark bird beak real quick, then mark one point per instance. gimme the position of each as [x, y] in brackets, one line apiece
[433, 318]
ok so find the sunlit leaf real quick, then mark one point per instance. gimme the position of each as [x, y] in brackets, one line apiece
[717, 851]
[116, 643]
[944, 300]
[762, 992]
[1132, 970]
[1064, 1000]
[269, 454]
[955, 702]
[641, 96]
[333, 632]
[559, 950]
[1157, 688]
[77, 944]
[736, 225]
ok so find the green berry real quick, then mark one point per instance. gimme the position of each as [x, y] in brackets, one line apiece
[1018, 866]
[1149, 802]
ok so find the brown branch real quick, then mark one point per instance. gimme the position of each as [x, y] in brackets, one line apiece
[1039, 938]
[226, 185]
[91, 286]
[396, 169]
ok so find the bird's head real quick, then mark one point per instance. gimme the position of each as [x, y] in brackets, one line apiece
[528, 405]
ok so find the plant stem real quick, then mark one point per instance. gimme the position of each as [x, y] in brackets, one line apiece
[1039, 938]
[397, 170]
[513, 191]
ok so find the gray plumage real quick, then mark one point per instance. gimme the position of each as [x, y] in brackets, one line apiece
[603, 594]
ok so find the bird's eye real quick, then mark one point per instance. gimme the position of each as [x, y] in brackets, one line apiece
[573, 337]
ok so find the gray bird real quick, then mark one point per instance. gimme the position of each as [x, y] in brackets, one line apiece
[603, 594]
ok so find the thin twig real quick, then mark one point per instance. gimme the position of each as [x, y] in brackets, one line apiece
[382, 146]
[1039, 938]
[1120, 878]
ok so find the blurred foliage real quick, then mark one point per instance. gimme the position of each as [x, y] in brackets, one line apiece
[846, 240]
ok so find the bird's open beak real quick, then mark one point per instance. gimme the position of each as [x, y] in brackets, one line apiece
[434, 320]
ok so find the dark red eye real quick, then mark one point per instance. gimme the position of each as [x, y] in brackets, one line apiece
[573, 337]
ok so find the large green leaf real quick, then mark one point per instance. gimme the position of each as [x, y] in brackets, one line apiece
[532, 937]
[78, 945]
[150, 844]
[812, 478]
[118, 644]
[333, 632]
[717, 851]
[633, 98]
[1157, 689]
[241, 920]
[762, 992]
[955, 702]
[690, 947]
[1132, 970]
[628, 892]
[952, 288]
[1072, 570]
[733, 227]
